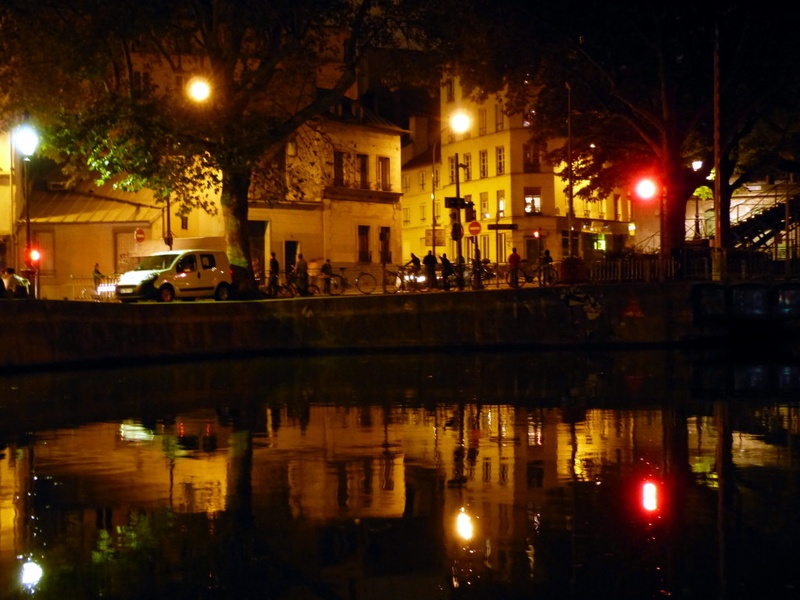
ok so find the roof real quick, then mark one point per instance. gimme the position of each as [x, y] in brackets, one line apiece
[78, 207]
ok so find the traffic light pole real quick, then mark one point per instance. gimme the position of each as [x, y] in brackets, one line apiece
[460, 229]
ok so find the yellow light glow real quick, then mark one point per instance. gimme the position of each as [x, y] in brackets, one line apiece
[464, 525]
[460, 122]
[198, 89]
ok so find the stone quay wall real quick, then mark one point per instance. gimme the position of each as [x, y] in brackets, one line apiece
[46, 334]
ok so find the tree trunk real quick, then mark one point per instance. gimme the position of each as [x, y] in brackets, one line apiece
[235, 188]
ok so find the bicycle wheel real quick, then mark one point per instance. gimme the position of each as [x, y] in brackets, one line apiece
[548, 276]
[285, 291]
[366, 283]
[337, 285]
[313, 290]
[391, 282]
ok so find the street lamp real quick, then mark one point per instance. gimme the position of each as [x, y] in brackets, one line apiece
[26, 140]
[459, 123]
[571, 200]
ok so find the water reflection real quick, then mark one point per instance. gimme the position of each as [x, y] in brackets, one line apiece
[485, 476]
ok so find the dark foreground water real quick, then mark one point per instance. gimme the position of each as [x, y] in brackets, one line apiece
[406, 477]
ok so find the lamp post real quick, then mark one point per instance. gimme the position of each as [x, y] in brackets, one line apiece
[26, 140]
[459, 123]
[570, 198]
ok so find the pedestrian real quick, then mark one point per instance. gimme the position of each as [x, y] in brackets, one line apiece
[327, 271]
[274, 271]
[97, 274]
[513, 264]
[430, 269]
[301, 275]
[447, 272]
[15, 286]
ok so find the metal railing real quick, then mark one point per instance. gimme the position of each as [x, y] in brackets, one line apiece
[91, 289]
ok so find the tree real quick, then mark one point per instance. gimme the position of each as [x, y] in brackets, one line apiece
[103, 78]
[640, 79]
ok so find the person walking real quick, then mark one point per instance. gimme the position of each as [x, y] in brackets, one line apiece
[274, 271]
[430, 269]
[327, 271]
[301, 275]
[447, 272]
[513, 264]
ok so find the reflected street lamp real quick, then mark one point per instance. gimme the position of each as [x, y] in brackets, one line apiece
[26, 140]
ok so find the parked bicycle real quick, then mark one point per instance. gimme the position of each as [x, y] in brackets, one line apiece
[403, 279]
[545, 275]
[365, 282]
[288, 288]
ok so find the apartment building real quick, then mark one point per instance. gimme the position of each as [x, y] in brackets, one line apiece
[513, 198]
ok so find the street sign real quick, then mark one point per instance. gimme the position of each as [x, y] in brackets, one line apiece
[496, 226]
[474, 228]
[138, 235]
[452, 202]
[457, 232]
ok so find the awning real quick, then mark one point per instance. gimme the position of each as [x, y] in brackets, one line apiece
[74, 207]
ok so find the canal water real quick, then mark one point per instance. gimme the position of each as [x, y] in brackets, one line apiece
[636, 474]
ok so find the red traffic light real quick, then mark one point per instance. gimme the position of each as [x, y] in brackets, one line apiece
[646, 189]
[34, 256]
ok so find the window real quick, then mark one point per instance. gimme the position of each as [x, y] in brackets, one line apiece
[481, 121]
[499, 117]
[501, 203]
[530, 159]
[385, 237]
[449, 90]
[451, 163]
[184, 222]
[500, 159]
[188, 263]
[364, 255]
[207, 261]
[338, 168]
[384, 181]
[422, 212]
[406, 184]
[406, 216]
[140, 84]
[484, 205]
[483, 160]
[436, 181]
[533, 200]
[467, 166]
[437, 207]
[422, 180]
[362, 163]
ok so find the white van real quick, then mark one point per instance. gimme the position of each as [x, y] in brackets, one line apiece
[177, 274]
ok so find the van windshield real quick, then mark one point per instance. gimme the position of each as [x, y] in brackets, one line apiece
[156, 263]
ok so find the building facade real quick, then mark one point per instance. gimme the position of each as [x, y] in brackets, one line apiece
[516, 199]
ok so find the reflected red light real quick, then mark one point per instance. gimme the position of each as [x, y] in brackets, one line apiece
[649, 496]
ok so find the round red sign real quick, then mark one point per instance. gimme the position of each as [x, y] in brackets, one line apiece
[474, 228]
[138, 235]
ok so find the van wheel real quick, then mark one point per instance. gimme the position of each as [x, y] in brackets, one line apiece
[166, 294]
[223, 293]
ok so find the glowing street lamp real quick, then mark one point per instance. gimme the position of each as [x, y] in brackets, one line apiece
[198, 89]
[26, 140]
[460, 122]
